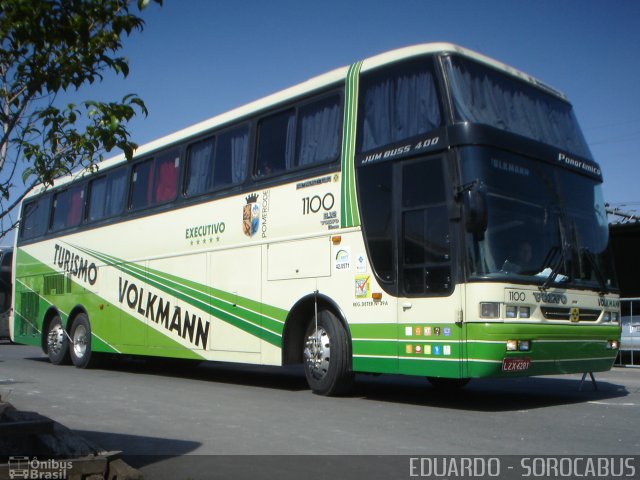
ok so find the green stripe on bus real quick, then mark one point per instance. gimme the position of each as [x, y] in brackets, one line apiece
[240, 312]
[350, 216]
[105, 323]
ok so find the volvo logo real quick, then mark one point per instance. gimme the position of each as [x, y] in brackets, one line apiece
[556, 298]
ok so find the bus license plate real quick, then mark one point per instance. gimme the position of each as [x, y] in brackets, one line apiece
[515, 364]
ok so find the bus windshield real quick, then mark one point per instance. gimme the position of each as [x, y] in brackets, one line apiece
[486, 96]
[546, 224]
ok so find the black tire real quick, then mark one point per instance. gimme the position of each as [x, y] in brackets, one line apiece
[57, 342]
[80, 350]
[326, 356]
[448, 384]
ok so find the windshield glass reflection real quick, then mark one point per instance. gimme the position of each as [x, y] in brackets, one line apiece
[547, 225]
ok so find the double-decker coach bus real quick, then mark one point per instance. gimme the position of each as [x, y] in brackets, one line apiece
[427, 211]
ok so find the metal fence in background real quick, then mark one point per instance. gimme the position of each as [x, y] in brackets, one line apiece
[630, 340]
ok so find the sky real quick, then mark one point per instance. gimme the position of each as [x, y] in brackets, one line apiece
[199, 58]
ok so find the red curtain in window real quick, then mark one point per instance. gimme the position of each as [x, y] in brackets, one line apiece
[166, 180]
[75, 209]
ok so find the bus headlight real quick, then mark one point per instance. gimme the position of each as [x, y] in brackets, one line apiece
[612, 345]
[511, 311]
[518, 345]
[611, 317]
[489, 310]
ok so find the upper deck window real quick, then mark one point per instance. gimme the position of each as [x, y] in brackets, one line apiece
[67, 208]
[481, 94]
[397, 103]
[107, 195]
[35, 219]
[276, 143]
[155, 181]
[318, 131]
[303, 136]
[217, 162]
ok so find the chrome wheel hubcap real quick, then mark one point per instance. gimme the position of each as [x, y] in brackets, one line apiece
[317, 353]
[80, 341]
[55, 342]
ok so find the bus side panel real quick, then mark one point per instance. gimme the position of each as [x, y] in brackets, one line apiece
[238, 273]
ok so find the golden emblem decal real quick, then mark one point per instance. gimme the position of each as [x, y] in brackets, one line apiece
[251, 215]
[575, 315]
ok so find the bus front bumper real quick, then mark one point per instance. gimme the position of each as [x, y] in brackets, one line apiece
[517, 349]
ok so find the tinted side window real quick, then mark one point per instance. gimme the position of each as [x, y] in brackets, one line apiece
[199, 174]
[67, 208]
[276, 143]
[6, 259]
[166, 167]
[397, 103]
[231, 157]
[35, 218]
[318, 132]
[425, 244]
[107, 195]
[142, 181]
[217, 162]
[376, 199]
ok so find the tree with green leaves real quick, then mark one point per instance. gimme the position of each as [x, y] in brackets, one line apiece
[53, 46]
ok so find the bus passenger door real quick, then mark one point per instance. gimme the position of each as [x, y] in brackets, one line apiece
[429, 304]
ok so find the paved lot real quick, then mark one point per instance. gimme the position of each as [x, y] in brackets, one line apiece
[145, 408]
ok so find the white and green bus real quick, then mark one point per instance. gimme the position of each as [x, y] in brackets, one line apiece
[427, 211]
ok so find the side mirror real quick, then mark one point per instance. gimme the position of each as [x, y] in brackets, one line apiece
[474, 201]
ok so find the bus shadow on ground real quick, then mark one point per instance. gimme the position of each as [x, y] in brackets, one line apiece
[261, 376]
[483, 395]
[512, 394]
[490, 395]
[289, 378]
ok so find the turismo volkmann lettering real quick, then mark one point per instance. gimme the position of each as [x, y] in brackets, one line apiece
[160, 311]
[75, 265]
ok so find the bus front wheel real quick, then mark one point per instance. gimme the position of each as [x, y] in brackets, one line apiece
[57, 342]
[81, 354]
[326, 356]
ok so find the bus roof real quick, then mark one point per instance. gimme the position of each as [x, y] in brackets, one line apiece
[316, 83]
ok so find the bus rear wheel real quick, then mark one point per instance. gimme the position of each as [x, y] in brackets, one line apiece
[81, 354]
[57, 342]
[326, 356]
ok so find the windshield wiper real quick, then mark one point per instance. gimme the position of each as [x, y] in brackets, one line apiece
[553, 274]
[562, 258]
[589, 255]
